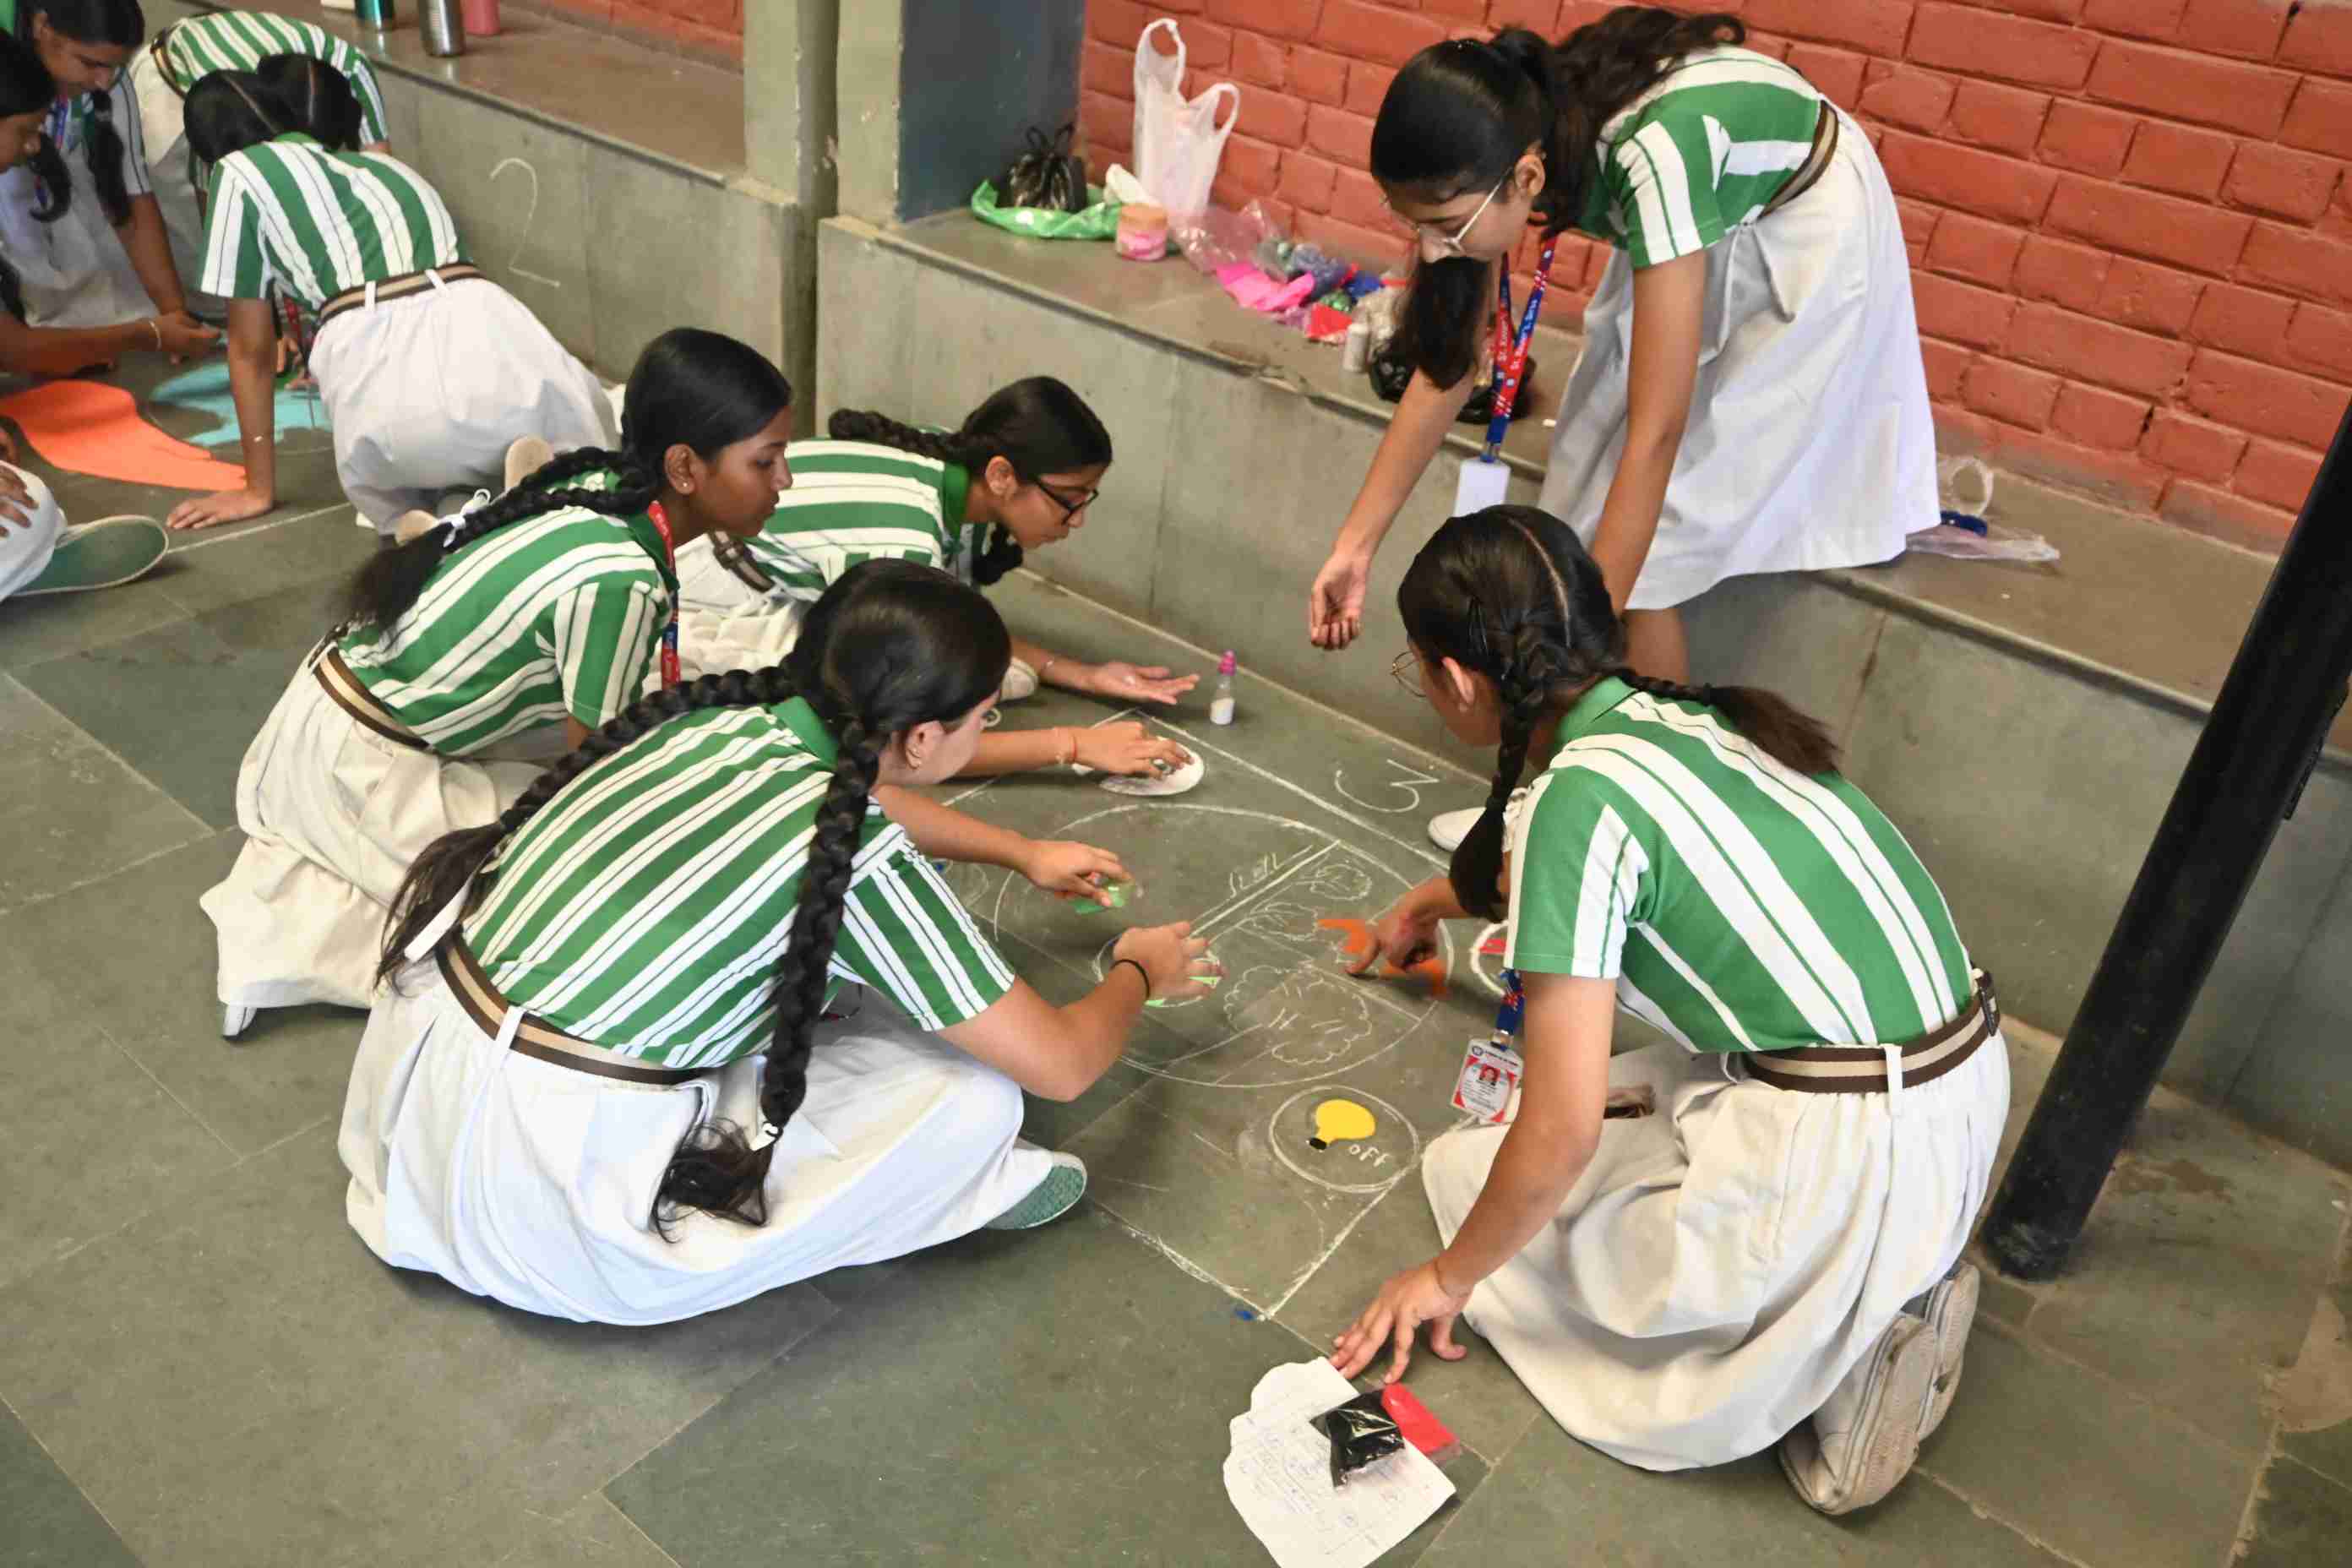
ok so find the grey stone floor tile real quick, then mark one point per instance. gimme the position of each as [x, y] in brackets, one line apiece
[93, 1141]
[591, 1531]
[1479, 1397]
[1060, 1395]
[155, 998]
[2313, 1395]
[70, 810]
[239, 1379]
[182, 703]
[45, 1521]
[32, 630]
[2194, 1281]
[214, 571]
[1555, 1500]
[2301, 1520]
[2087, 1467]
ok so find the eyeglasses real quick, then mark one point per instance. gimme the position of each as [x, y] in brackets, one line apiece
[1405, 670]
[1069, 508]
[1451, 243]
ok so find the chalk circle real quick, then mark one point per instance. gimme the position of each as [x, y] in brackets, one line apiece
[1488, 966]
[1303, 1018]
[1287, 1128]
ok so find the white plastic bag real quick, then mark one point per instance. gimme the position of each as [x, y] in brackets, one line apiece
[1178, 142]
[1974, 538]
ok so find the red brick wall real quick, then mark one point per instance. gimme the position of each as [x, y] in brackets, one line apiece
[2129, 220]
[703, 29]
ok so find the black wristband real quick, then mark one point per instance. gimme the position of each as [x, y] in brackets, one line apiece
[1141, 971]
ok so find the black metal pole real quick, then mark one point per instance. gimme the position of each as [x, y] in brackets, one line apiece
[2268, 725]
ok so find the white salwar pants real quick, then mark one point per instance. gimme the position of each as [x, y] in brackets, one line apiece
[1809, 442]
[25, 547]
[333, 815]
[1723, 1262]
[533, 1182]
[426, 392]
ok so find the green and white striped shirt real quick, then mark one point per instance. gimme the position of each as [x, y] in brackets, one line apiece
[852, 502]
[238, 40]
[554, 616]
[1738, 905]
[1699, 153]
[644, 908]
[290, 212]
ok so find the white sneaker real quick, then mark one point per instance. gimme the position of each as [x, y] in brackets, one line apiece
[1064, 1184]
[236, 1020]
[1951, 1311]
[1853, 1450]
[1020, 681]
[1447, 829]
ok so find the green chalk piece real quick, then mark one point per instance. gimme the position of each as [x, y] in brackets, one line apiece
[1114, 897]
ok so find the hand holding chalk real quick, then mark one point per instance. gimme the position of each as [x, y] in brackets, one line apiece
[1069, 870]
[1177, 962]
[1130, 749]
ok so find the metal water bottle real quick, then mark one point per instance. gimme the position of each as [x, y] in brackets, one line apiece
[444, 25]
[376, 13]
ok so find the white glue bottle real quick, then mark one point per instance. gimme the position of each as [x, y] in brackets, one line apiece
[1221, 707]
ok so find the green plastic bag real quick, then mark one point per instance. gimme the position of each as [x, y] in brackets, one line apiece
[1097, 220]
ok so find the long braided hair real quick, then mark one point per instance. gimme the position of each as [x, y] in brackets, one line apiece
[1509, 594]
[27, 88]
[889, 645]
[118, 24]
[1038, 426]
[698, 389]
[1460, 113]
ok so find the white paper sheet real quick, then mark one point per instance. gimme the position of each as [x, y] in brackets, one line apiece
[1279, 1477]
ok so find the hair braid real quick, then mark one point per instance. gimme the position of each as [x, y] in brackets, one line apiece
[392, 580]
[105, 158]
[458, 862]
[716, 1169]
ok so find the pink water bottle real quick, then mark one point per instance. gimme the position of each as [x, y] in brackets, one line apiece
[481, 18]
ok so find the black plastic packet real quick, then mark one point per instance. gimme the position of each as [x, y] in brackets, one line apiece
[1360, 1432]
[1391, 373]
[1049, 174]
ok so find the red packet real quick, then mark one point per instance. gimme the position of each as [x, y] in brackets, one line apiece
[1421, 1429]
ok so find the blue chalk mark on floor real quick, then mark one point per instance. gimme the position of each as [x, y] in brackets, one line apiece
[205, 390]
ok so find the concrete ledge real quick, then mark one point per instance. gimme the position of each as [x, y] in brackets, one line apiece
[2025, 725]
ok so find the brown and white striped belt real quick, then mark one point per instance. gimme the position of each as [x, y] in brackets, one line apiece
[1825, 140]
[535, 1037]
[399, 287]
[354, 699]
[1862, 1069]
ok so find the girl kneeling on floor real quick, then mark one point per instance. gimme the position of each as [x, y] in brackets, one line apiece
[1019, 474]
[549, 603]
[38, 552]
[1768, 1255]
[604, 1081]
[428, 368]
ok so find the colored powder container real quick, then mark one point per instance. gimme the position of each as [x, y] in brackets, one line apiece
[1143, 231]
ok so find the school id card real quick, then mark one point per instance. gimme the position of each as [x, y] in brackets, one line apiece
[1490, 1072]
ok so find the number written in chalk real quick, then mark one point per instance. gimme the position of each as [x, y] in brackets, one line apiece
[1406, 784]
[514, 261]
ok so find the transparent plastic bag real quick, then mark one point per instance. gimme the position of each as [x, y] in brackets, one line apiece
[1178, 142]
[1966, 534]
[1215, 237]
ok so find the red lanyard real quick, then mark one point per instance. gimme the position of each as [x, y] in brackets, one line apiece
[1510, 352]
[671, 676]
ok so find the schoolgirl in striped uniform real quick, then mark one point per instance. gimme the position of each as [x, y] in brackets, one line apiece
[1749, 396]
[549, 604]
[428, 368]
[1018, 474]
[91, 251]
[606, 1079]
[191, 49]
[1769, 1252]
